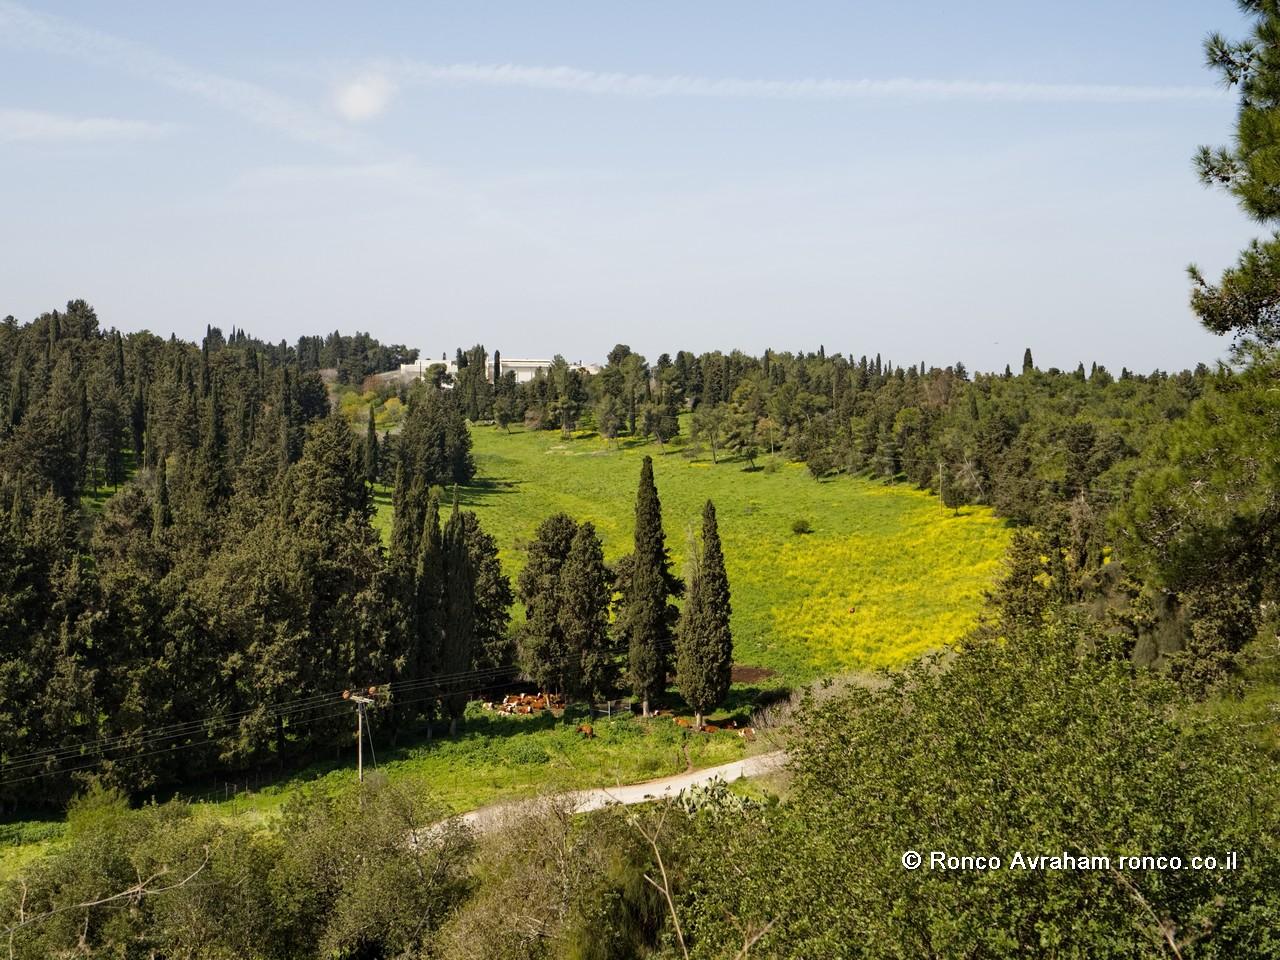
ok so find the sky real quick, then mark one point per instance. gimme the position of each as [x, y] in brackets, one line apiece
[933, 181]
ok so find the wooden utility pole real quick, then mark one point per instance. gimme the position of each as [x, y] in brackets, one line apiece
[361, 702]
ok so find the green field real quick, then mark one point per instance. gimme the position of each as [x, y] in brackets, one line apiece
[886, 574]
[494, 758]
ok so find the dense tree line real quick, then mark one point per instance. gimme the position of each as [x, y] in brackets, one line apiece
[234, 568]
[353, 358]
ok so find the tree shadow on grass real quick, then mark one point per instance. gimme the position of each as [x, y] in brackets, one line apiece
[484, 489]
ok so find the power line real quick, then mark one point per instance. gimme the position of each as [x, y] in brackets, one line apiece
[209, 725]
[468, 682]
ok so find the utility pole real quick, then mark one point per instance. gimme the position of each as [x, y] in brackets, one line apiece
[362, 702]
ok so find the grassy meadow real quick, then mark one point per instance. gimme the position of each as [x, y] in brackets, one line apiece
[494, 759]
[886, 574]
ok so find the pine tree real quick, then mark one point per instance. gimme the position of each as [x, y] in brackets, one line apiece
[704, 646]
[585, 589]
[648, 616]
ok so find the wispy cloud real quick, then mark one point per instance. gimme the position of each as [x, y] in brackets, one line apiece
[39, 126]
[642, 85]
[364, 97]
[26, 28]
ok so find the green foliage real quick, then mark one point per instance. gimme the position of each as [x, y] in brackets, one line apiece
[1042, 743]
[704, 644]
[458, 643]
[544, 654]
[1203, 521]
[1244, 302]
[801, 525]
[915, 574]
[341, 877]
[579, 883]
[584, 593]
[434, 443]
[647, 616]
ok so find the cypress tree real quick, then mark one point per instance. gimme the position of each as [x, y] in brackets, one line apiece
[408, 502]
[138, 420]
[1028, 365]
[459, 612]
[424, 654]
[371, 450]
[161, 517]
[117, 371]
[585, 589]
[17, 393]
[492, 643]
[543, 654]
[287, 446]
[648, 615]
[704, 646]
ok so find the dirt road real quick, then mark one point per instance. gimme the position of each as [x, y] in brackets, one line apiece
[584, 800]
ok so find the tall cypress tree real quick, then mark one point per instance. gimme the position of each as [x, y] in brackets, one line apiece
[648, 616]
[429, 599]
[583, 616]
[704, 646]
[543, 655]
[493, 598]
[371, 450]
[138, 420]
[459, 614]
[408, 508]
[161, 517]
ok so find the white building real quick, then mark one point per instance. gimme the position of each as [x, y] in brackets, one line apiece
[524, 369]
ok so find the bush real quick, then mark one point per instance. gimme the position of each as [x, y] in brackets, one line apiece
[524, 750]
[800, 525]
[1025, 744]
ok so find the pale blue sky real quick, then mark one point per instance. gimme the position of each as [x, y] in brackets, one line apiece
[931, 181]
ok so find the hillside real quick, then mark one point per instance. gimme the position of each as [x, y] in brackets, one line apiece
[886, 574]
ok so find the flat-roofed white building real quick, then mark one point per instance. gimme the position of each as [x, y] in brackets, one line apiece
[525, 369]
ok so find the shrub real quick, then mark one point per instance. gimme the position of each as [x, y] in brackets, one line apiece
[801, 525]
[525, 750]
[1037, 743]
